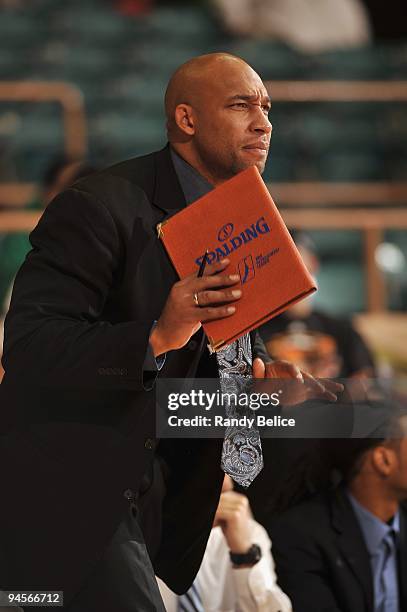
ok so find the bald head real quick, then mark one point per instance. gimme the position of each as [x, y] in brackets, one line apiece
[217, 116]
[192, 80]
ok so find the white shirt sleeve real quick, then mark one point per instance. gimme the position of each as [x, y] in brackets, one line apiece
[256, 587]
[225, 589]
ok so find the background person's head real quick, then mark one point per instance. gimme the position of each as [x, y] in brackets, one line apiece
[375, 463]
[61, 173]
[375, 468]
[217, 116]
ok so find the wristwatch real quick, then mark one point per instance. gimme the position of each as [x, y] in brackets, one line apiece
[251, 557]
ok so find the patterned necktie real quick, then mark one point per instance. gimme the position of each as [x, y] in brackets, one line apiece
[242, 456]
[191, 600]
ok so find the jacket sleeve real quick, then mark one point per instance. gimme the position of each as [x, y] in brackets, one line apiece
[55, 334]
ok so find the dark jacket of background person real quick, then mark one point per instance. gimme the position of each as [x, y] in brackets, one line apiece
[321, 558]
[78, 421]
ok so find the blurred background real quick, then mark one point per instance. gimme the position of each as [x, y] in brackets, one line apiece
[82, 84]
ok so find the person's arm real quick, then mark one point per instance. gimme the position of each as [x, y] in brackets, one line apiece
[53, 333]
[255, 583]
[256, 587]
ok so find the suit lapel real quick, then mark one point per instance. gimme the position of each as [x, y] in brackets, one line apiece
[167, 194]
[351, 543]
[157, 178]
[167, 198]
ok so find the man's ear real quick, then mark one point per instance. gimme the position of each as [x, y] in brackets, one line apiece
[384, 460]
[184, 118]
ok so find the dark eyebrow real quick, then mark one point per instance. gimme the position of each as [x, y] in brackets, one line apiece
[246, 98]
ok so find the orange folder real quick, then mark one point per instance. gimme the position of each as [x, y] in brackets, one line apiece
[239, 220]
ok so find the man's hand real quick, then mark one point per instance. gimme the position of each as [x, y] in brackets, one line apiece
[297, 387]
[233, 516]
[182, 317]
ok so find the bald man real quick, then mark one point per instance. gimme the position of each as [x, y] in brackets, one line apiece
[97, 313]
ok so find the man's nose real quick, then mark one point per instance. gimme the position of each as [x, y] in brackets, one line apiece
[261, 123]
[267, 129]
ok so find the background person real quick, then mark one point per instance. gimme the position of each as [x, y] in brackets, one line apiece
[248, 583]
[345, 549]
[322, 344]
[311, 27]
[325, 346]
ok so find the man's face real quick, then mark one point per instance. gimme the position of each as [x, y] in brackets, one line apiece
[232, 129]
[399, 475]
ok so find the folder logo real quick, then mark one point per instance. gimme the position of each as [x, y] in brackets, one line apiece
[231, 243]
[225, 231]
[246, 269]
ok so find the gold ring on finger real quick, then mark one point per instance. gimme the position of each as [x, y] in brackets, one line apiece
[196, 300]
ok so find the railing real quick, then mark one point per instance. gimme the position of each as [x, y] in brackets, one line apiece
[71, 100]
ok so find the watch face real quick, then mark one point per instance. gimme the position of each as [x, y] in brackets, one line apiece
[256, 553]
[252, 556]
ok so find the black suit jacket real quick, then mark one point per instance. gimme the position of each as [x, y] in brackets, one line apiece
[322, 562]
[77, 418]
